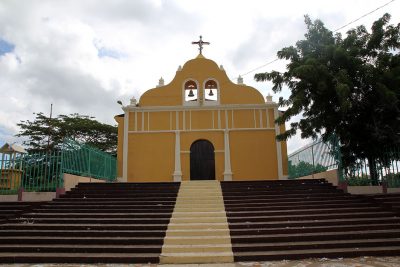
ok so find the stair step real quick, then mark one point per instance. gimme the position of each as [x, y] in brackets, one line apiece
[182, 258]
[79, 258]
[357, 243]
[317, 253]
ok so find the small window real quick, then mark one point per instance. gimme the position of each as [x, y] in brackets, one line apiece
[211, 91]
[191, 94]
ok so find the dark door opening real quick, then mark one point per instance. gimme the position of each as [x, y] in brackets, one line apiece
[202, 161]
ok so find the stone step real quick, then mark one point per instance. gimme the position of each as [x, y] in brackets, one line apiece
[184, 220]
[83, 233]
[79, 258]
[91, 220]
[196, 240]
[209, 248]
[182, 258]
[319, 236]
[290, 217]
[197, 226]
[357, 243]
[196, 214]
[97, 215]
[250, 213]
[82, 240]
[80, 248]
[317, 253]
[103, 227]
[197, 232]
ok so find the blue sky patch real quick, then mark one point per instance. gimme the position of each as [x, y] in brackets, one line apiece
[5, 47]
[107, 52]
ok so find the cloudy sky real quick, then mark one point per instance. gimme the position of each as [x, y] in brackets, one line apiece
[84, 55]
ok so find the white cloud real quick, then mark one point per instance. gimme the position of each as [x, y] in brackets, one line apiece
[84, 55]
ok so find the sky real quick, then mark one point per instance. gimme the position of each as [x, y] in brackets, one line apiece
[84, 55]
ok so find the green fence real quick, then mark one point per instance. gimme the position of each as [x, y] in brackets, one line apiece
[88, 161]
[321, 156]
[42, 172]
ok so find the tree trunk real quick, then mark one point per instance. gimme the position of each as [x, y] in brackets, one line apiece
[374, 175]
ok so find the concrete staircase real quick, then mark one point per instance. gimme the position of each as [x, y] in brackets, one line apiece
[390, 200]
[297, 219]
[198, 231]
[200, 222]
[93, 223]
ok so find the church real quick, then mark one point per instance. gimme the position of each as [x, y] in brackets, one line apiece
[200, 126]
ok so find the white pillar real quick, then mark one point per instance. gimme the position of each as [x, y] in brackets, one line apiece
[278, 147]
[228, 171]
[125, 148]
[177, 173]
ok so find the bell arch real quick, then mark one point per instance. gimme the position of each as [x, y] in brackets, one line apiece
[211, 92]
[190, 92]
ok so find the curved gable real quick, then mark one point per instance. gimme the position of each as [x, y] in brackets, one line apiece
[201, 70]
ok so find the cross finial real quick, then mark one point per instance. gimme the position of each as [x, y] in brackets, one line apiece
[201, 43]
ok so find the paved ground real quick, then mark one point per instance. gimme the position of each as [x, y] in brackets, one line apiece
[356, 262]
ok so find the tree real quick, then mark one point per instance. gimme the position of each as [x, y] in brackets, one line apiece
[348, 86]
[46, 133]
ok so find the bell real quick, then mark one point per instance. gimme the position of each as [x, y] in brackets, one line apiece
[211, 93]
[190, 93]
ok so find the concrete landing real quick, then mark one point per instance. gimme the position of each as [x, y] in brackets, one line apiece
[198, 231]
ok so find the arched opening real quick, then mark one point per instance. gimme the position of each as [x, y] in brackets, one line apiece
[211, 91]
[191, 94]
[202, 160]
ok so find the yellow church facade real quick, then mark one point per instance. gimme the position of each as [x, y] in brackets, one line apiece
[200, 126]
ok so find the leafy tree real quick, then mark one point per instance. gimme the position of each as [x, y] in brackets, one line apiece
[345, 86]
[46, 133]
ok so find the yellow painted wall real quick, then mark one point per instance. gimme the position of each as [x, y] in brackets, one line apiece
[216, 138]
[151, 157]
[253, 155]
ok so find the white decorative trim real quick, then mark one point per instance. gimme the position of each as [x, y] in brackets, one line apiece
[227, 156]
[278, 147]
[267, 115]
[261, 120]
[203, 130]
[219, 107]
[125, 148]
[178, 172]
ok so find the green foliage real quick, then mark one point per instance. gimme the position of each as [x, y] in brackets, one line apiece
[348, 86]
[304, 169]
[359, 180]
[80, 128]
[393, 180]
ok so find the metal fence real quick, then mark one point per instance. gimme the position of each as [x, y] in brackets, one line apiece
[42, 172]
[322, 156]
[88, 161]
[316, 157]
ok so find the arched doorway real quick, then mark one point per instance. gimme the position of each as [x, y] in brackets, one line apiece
[202, 160]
